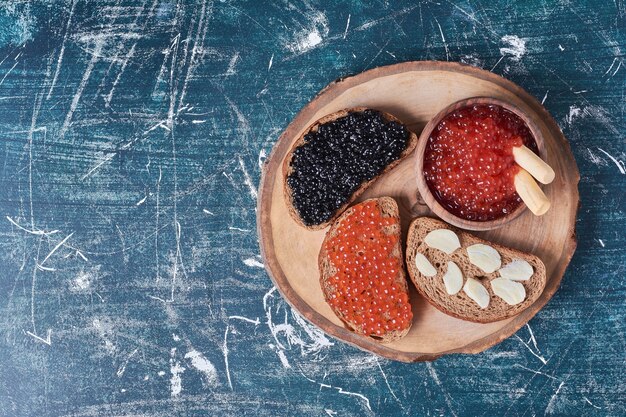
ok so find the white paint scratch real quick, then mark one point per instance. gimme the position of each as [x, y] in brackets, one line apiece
[310, 41]
[251, 262]
[532, 337]
[143, 200]
[370, 24]
[435, 377]
[60, 59]
[550, 407]
[269, 66]
[8, 72]
[355, 394]
[619, 65]
[156, 227]
[225, 352]
[516, 48]
[82, 282]
[443, 39]
[231, 65]
[239, 229]
[312, 36]
[574, 112]
[340, 390]
[176, 382]
[517, 365]
[248, 180]
[109, 97]
[202, 364]
[256, 321]
[208, 212]
[617, 69]
[545, 97]
[595, 159]
[618, 163]
[283, 358]
[314, 342]
[537, 355]
[262, 158]
[601, 242]
[345, 32]
[40, 264]
[102, 161]
[122, 368]
[31, 231]
[47, 340]
[81, 88]
[591, 404]
[387, 382]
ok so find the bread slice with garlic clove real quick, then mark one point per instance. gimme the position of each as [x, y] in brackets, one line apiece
[477, 300]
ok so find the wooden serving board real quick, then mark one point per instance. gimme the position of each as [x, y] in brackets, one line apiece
[414, 92]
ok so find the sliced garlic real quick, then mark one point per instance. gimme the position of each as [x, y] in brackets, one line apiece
[443, 239]
[510, 291]
[453, 279]
[485, 257]
[517, 270]
[477, 292]
[424, 265]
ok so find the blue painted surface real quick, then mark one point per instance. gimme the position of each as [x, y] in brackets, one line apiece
[132, 135]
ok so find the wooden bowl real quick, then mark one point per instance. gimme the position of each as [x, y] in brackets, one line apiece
[423, 187]
[415, 92]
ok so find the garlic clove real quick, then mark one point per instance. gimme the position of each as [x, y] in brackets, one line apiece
[517, 270]
[477, 292]
[485, 257]
[443, 239]
[424, 266]
[510, 291]
[453, 278]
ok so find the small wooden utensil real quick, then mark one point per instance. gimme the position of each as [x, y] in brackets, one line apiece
[532, 163]
[530, 193]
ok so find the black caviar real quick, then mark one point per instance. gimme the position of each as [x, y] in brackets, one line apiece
[341, 155]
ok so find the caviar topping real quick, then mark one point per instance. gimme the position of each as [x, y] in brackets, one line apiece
[469, 165]
[364, 289]
[337, 158]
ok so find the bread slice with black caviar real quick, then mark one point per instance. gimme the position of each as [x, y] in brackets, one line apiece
[337, 158]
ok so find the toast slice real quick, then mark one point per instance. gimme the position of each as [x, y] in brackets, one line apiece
[340, 156]
[431, 285]
[362, 271]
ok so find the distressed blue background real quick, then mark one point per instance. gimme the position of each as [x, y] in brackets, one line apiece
[132, 135]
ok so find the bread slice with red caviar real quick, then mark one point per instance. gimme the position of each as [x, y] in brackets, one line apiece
[490, 290]
[362, 271]
[336, 158]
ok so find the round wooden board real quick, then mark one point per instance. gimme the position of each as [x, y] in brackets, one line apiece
[414, 92]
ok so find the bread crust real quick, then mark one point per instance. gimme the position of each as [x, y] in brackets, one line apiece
[460, 305]
[388, 208]
[287, 169]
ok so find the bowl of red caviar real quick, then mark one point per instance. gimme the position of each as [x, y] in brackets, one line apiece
[465, 164]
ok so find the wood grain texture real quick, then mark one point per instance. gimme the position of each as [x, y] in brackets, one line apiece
[290, 251]
[136, 130]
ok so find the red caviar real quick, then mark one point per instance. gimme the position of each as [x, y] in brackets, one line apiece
[469, 165]
[364, 289]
